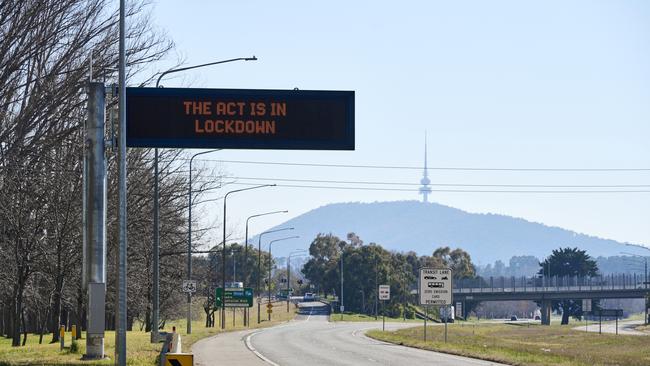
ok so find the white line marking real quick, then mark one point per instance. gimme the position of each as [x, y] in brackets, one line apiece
[259, 355]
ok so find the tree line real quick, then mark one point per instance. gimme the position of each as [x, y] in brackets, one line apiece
[47, 51]
[365, 267]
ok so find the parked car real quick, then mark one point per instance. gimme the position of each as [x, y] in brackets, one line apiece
[513, 318]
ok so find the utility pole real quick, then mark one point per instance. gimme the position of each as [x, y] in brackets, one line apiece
[94, 276]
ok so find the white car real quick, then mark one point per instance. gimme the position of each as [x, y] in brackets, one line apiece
[309, 296]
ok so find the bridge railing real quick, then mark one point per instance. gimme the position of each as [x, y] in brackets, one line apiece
[548, 284]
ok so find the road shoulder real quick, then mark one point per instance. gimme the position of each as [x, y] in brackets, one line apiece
[227, 348]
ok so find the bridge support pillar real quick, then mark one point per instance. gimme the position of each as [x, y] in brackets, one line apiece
[546, 312]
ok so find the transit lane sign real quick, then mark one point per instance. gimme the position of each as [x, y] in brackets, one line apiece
[435, 286]
[384, 292]
[240, 118]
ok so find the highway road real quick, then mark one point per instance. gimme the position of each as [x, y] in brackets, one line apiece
[311, 339]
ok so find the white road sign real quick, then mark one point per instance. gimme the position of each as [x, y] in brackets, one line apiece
[189, 286]
[435, 286]
[586, 305]
[384, 292]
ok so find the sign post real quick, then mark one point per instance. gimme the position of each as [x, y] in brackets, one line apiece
[435, 288]
[586, 308]
[384, 295]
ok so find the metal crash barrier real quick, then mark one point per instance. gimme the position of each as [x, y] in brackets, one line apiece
[171, 353]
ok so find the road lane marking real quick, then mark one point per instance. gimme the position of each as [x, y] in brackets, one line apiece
[249, 345]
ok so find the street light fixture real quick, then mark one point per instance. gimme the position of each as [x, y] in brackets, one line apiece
[271, 262]
[223, 273]
[259, 267]
[156, 209]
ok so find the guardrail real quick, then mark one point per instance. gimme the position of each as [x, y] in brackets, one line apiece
[550, 284]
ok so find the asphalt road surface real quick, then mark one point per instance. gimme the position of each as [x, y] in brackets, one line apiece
[312, 340]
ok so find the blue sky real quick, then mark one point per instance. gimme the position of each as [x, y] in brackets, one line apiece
[546, 84]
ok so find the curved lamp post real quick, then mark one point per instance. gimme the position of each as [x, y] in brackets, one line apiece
[301, 253]
[247, 315]
[259, 267]
[189, 241]
[271, 262]
[223, 254]
[156, 209]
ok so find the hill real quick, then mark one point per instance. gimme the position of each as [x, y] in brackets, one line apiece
[422, 227]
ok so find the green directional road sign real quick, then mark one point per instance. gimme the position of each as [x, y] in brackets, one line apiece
[234, 298]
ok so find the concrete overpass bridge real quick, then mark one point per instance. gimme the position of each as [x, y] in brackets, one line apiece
[547, 289]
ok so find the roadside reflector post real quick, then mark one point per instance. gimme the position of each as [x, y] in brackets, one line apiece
[62, 335]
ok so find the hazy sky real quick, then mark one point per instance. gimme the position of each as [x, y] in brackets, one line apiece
[547, 84]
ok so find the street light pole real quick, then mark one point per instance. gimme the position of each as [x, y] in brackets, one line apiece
[156, 213]
[289, 271]
[341, 307]
[259, 268]
[271, 263]
[189, 241]
[223, 255]
[247, 314]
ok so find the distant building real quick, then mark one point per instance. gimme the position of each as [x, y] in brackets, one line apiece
[425, 190]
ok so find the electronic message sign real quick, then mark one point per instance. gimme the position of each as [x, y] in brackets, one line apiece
[239, 119]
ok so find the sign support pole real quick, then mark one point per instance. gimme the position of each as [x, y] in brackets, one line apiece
[155, 254]
[383, 316]
[446, 318]
[120, 334]
[95, 222]
[426, 315]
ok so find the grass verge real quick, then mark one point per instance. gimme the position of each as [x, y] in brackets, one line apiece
[526, 344]
[140, 351]
[354, 317]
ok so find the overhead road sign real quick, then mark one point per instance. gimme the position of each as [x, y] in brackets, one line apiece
[384, 292]
[234, 298]
[240, 118]
[435, 286]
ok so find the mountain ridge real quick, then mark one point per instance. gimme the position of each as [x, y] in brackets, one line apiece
[423, 227]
